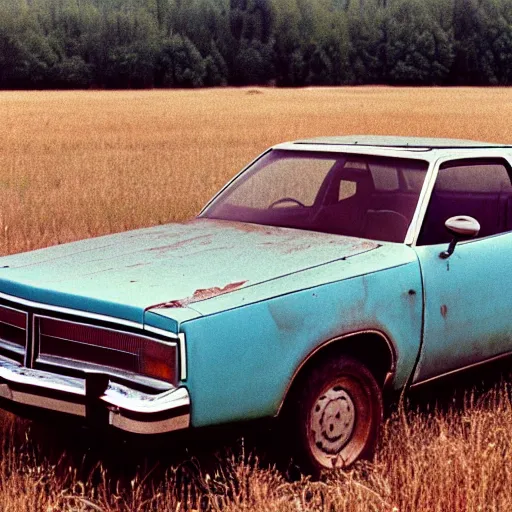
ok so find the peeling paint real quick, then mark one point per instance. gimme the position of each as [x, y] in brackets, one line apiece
[206, 239]
[174, 261]
[247, 227]
[199, 294]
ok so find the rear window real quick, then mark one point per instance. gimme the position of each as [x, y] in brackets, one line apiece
[385, 177]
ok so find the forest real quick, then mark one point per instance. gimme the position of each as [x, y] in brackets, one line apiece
[119, 44]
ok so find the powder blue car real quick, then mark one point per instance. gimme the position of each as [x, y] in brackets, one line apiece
[328, 273]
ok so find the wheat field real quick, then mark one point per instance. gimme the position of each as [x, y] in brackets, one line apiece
[82, 164]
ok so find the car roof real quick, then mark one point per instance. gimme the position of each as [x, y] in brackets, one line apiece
[421, 148]
[390, 141]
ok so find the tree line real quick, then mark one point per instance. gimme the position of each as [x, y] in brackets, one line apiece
[195, 43]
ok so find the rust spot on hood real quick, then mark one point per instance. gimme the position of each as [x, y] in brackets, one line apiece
[200, 294]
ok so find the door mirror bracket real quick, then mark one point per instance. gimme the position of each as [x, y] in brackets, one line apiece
[461, 227]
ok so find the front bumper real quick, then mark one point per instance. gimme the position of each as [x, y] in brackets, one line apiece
[96, 398]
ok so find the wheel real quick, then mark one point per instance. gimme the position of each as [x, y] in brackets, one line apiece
[335, 416]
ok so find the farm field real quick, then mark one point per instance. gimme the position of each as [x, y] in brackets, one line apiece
[81, 164]
[87, 163]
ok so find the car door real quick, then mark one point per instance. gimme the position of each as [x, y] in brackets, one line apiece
[467, 296]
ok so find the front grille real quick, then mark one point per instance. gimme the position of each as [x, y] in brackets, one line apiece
[101, 347]
[71, 347]
[13, 333]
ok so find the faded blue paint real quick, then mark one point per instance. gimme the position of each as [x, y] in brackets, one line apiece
[240, 362]
[254, 301]
[166, 323]
[388, 255]
[467, 304]
[122, 275]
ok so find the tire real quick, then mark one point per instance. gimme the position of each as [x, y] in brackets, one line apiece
[335, 416]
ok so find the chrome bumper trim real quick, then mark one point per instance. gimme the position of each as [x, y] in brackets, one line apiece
[17, 374]
[128, 409]
[155, 427]
[160, 332]
[135, 401]
[42, 402]
[183, 356]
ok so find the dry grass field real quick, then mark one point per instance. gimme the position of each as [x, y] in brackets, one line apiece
[81, 164]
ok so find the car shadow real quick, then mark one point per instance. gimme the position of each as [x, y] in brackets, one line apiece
[105, 455]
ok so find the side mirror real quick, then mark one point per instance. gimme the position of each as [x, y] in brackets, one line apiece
[461, 227]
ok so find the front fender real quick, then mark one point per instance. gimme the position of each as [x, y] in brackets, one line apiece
[241, 361]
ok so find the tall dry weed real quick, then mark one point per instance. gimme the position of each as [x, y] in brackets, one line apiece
[82, 164]
[458, 460]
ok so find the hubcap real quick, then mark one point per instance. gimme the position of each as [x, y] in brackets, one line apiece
[332, 421]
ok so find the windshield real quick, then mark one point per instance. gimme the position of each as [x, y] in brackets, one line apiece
[365, 196]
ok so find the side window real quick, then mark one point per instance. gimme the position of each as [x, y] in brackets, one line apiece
[479, 188]
[347, 189]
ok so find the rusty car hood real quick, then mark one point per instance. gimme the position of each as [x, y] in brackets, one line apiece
[172, 266]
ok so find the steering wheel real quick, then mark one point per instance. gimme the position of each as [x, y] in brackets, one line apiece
[286, 200]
